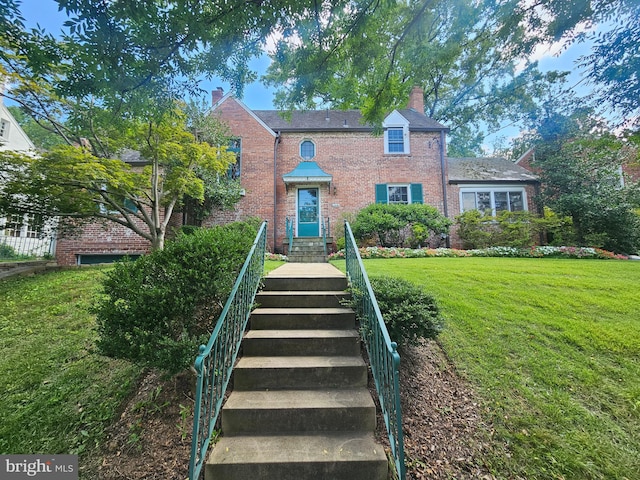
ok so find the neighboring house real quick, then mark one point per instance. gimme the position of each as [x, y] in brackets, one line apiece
[315, 167]
[25, 234]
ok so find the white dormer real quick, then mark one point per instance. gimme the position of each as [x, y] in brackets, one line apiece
[396, 134]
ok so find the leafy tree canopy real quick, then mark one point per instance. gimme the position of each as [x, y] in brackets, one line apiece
[469, 57]
[580, 167]
[164, 164]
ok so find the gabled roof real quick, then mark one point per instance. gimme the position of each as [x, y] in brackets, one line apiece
[337, 120]
[487, 170]
[252, 113]
[17, 139]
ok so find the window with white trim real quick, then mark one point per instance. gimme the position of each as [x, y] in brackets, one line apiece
[494, 200]
[307, 149]
[399, 193]
[396, 134]
[395, 140]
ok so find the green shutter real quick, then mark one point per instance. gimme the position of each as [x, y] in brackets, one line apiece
[129, 205]
[416, 193]
[381, 193]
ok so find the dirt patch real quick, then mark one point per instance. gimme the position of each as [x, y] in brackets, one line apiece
[444, 434]
[152, 438]
[443, 429]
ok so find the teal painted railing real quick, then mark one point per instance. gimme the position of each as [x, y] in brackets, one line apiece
[216, 359]
[383, 354]
[325, 229]
[289, 232]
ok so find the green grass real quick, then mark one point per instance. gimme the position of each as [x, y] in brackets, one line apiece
[57, 395]
[553, 349]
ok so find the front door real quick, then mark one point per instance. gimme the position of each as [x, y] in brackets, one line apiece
[308, 215]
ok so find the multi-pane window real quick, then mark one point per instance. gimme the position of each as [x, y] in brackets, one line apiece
[493, 200]
[33, 226]
[4, 128]
[398, 193]
[307, 150]
[395, 140]
[235, 145]
[13, 226]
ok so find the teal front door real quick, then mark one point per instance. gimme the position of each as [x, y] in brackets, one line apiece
[308, 215]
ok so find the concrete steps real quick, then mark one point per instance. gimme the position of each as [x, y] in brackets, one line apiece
[300, 408]
[307, 250]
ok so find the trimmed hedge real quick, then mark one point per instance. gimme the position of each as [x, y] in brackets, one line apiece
[157, 310]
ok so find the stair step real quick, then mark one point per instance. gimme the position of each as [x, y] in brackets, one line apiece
[301, 342]
[310, 318]
[298, 457]
[285, 373]
[298, 411]
[305, 283]
[301, 299]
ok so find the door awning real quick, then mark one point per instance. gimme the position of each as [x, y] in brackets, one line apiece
[307, 172]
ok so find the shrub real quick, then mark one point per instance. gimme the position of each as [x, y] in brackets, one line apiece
[479, 230]
[157, 310]
[409, 313]
[7, 251]
[397, 225]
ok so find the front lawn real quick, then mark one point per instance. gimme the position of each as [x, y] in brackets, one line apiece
[553, 348]
[57, 395]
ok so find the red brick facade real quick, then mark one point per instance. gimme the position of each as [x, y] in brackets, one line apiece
[354, 158]
[96, 238]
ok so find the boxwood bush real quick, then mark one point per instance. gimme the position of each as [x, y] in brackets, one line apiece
[410, 314]
[157, 310]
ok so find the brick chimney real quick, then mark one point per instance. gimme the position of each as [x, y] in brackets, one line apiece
[216, 95]
[416, 99]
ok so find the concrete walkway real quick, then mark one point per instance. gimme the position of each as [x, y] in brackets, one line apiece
[306, 270]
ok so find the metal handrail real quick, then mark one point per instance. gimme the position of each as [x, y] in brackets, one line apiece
[216, 359]
[324, 236]
[383, 354]
[289, 232]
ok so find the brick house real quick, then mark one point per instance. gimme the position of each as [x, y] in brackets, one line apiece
[312, 167]
[315, 166]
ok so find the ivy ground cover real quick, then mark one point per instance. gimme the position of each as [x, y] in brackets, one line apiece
[552, 346]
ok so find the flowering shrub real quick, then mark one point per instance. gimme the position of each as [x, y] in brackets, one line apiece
[533, 252]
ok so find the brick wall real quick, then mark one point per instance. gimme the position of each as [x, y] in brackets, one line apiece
[97, 238]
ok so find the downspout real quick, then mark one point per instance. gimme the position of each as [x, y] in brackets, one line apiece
[276, 141]
[445, 200]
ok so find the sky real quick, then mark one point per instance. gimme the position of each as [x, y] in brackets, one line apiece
[46, 14]
[258, 97]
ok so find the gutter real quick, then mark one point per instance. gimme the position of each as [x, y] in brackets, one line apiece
[276, 141]
[445, 200]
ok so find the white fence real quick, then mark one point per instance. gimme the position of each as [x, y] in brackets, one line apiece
[24, 236]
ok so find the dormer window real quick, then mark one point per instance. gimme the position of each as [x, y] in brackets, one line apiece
[307, 149]
[396, 134]
[395, 140]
